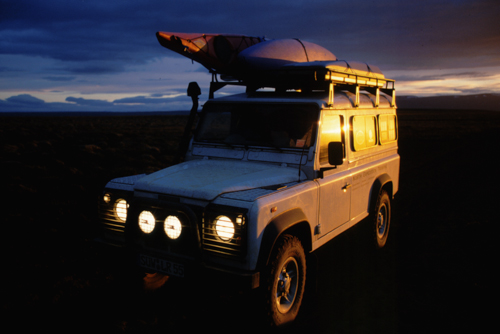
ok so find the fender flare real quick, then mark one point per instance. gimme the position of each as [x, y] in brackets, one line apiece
[380, 182]
[275, 228]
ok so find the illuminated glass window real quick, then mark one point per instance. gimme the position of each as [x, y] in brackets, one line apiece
[331, 131]
[387, 128]
[364, 134]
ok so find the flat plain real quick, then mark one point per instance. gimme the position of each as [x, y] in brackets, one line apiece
[435, 275]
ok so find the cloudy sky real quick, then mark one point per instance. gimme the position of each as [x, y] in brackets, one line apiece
[98, 55]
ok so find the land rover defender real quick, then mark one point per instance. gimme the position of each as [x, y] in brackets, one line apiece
[269, 176]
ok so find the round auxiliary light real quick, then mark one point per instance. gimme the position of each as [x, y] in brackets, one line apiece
[224, 228]
[146, 222]
[120, 209]
[239, 220]
[106, 198]
[173, 227]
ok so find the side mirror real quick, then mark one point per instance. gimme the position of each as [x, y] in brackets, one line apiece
[335, 153]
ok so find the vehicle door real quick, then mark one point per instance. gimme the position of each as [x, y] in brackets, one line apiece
[335, 185]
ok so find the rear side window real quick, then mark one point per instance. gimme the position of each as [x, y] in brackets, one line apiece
[387, 128]
[364, 134]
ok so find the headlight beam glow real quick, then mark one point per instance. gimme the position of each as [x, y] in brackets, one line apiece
[147, 222]
[173, 227]
[120, 209]
[224, 228]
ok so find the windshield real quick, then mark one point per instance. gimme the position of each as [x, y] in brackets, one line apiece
[269, 125]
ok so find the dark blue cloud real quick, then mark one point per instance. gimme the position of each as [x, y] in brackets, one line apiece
[88, 102]
[93, 67]
[26, 102]
[25, 99]
[96, 41]
[59, 78]
[423, 33]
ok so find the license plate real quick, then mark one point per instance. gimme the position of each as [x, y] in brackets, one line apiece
[161, 265]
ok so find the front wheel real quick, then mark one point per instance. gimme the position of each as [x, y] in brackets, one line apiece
[381, 219]
[286, 281]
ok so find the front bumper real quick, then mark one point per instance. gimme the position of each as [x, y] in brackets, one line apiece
[190, 269]
[184, 269]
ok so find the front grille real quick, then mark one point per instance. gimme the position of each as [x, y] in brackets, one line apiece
[214, 244]
[111, 225]
[185, 245]
[109, 221]
[198, 227]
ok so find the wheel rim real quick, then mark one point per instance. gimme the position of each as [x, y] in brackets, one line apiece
[382, 221]
[288, 281]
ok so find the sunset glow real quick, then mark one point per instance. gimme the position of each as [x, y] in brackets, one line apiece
[447, 82]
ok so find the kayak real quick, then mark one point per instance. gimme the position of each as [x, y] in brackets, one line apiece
[217, 52]
[239, 56]
[273, 54]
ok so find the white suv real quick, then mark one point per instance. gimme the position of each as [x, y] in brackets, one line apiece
[268, 177]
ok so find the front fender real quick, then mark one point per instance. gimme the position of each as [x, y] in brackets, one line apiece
[284, 222]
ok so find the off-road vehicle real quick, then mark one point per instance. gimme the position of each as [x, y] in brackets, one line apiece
[269, 176]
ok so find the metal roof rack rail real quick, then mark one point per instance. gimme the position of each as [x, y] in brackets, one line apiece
[317, 76]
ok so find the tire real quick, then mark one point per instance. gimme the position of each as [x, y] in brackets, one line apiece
[381, 220]
[285, 281]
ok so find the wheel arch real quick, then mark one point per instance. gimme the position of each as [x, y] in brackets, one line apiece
[382, 182]
[292, 222]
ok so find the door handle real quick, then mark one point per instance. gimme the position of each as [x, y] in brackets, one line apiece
[347, 186]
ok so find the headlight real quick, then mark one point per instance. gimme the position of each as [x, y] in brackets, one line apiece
[224, 228]
[147, 222]
[120, 209]
[173, 227]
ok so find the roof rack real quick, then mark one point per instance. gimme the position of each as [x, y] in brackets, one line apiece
[317, 76]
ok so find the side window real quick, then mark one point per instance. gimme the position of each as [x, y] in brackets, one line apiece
[387, 128]
[331, 130]
[364, 134]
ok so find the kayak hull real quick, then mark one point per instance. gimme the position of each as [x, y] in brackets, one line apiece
[217, 52]
[273, 54]
[238, 56]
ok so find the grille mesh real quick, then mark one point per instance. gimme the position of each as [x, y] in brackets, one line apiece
[109, 220]
[232, 248]
[112, 228]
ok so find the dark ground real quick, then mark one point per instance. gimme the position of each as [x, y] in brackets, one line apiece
[435, 276]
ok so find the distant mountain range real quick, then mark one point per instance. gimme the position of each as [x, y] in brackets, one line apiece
[469, 102]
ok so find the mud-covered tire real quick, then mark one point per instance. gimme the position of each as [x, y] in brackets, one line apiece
[381, 220]
[285, 281]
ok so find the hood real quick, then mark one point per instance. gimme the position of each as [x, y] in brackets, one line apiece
[207, 179]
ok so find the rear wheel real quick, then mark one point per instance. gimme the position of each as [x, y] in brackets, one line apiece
[381, 219]
[286, 281]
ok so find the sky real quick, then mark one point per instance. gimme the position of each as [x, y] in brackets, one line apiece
[98, 55]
